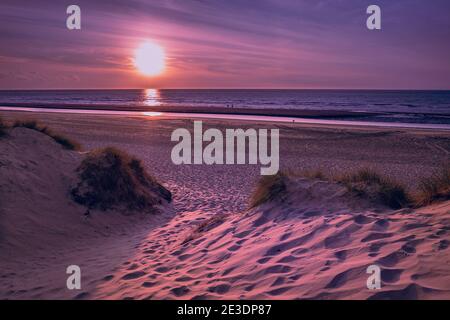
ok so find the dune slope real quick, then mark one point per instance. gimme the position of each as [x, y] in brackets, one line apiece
[316, 245]
[42, 230]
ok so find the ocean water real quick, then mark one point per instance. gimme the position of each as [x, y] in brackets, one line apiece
[394, 106]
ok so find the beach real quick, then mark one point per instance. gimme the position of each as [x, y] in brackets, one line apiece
[323, 248]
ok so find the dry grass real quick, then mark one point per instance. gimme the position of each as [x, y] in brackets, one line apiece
[311, 174]
[435, 188]
[110, 178]
[269, 189]
[3, 128]
[369, 184]
[59, 138]
[365, 183]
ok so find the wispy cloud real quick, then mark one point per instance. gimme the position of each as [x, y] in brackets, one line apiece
[233, 43]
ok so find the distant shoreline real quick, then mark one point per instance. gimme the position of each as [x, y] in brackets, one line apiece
[310, 117]
[273, 112]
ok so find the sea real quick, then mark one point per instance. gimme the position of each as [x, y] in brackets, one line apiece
[389, 106]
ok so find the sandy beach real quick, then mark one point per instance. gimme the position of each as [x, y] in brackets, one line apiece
[207, 243]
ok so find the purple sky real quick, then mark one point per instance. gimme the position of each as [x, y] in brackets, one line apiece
[227, 44]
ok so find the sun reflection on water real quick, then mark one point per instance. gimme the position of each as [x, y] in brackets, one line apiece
[151, 97]
[152, 114]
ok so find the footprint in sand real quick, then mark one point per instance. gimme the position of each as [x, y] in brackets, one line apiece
[285, 236]
[250, 287]
[134, 266]
[263, 260]
[180, 291]
[220, 289]
[376, 236]
[183, 279]
[362, 219]
[443, 244]
[162, 269]
[381, 224]
[108, 278]
[299, 251]
[287, 259]
[278, 268]
[391, 275]
[133, 275]
[342, 278]
[410, 246]
[411, 292]
[393, 258]
[375, 247]
[278, 281]
[341, 255]
[341, 238]
[227, 271]
[82, 295]
[412, 226]
[279, 291]
[234, 248]
[149, 284]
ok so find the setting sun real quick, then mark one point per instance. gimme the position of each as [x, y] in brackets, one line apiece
[150, 59]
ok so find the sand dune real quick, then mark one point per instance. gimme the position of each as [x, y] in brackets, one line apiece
[316, 244]
[304, 249]
[42, 230]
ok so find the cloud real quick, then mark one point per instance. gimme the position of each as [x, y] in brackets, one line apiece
[284, 42]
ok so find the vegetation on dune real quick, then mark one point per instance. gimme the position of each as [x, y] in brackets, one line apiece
[268, 189]
[435, 188]
[364, 183]
[310, 174]
[59, 138]
[110, 178]
[3, 128]
[370, 184]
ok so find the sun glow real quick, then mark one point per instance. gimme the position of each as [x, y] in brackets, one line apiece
[149, 59]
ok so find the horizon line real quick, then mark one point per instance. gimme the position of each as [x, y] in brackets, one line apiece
[218, 88]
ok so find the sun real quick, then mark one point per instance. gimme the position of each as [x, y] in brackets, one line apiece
[149, 59]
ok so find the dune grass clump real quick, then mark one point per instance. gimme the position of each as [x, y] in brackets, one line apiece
[110, 178]
[435, 188]
[269, 189]
[59, 138]
[3, 128]
[369, 184]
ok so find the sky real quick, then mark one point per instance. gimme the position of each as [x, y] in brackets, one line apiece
[307, 44]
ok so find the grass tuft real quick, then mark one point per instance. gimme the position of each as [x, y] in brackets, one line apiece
[3, 128]
[368, 183]
[268, 189]
[59, 138]
[110, 178]
[435, 188]
[313, 174]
